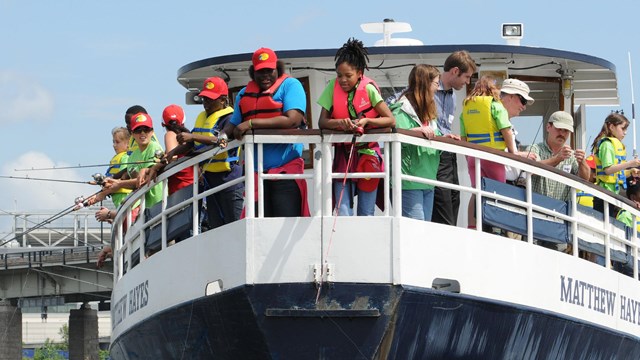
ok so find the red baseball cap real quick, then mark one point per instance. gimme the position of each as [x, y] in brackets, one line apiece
[213, 88]
[591, 161]
[264, 58]
[140, 119]
[173, 112]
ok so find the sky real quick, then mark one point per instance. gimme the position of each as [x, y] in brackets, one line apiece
[69, 69]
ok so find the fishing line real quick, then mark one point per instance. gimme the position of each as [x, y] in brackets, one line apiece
[78, 204]
[46, 179]
[335, 218]
[86, 166]
[50, 229]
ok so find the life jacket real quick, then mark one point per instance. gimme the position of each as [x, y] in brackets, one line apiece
[480, 126]
[619, 178]
[585, 199]
[361, 102]
[115, 167]
[367, 156]
[206, 126]
[258, 104]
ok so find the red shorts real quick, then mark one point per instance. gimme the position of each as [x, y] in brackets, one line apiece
[489, 169]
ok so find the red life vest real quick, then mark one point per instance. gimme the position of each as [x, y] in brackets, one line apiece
[364, 108]
[361, 102]
[258, 104]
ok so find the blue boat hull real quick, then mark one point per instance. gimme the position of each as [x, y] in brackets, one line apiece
[364, 321]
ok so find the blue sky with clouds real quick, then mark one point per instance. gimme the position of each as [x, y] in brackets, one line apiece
[69, 69]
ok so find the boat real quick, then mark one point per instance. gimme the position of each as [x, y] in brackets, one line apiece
[385, 286]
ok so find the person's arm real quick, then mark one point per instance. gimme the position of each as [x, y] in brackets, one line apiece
[507, 134]
[104, 214]
[622, 166]
[170, 141]
[326, 122]
[294, 102]
[583, 168]
[190, 138]
[385, 119]
[289, 120]
[104, 254]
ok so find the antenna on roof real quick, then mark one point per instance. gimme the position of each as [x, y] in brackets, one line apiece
[388, 27]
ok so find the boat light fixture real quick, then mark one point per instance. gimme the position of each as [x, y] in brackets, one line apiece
[513, 33]
[566, 77]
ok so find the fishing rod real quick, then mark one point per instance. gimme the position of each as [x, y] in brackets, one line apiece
[79, 203]
[157, 156]
[357, 131]
[98, 179]
[25, 218]
[633, 109]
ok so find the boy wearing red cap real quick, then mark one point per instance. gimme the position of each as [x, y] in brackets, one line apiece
[140, 160]
[224, 206]
[283, 108]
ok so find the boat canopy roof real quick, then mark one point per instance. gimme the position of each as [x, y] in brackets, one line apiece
[594, 79]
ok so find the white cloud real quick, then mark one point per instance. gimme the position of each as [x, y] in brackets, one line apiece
[23, 98]
[30, 195]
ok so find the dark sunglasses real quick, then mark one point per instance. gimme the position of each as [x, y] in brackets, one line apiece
[523, 101]
[142, 129]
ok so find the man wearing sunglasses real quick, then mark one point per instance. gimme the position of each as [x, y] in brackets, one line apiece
[514, 95]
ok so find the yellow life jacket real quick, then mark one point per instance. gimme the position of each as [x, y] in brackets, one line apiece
[480, 126]
[206, 126]
[115, 167]
[619, 178]
[585, 199]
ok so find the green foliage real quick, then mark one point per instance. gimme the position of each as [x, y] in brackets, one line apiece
[103, 354]
[48, 351]
[64, 334]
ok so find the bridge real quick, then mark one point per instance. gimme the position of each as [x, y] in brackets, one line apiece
[49, 260]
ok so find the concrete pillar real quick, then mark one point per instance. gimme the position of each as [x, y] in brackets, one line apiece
[83, 334]
[10, 331]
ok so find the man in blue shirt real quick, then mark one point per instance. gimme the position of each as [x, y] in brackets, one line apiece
[458, 69]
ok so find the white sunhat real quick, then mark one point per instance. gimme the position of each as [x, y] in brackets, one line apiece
[515, 86]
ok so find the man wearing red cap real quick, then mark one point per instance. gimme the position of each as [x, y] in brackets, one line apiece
[273, 100]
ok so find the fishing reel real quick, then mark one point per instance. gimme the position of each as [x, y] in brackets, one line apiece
[223, 140]
[98, 178]
[80, 202]
[159, 156]
[357, 130]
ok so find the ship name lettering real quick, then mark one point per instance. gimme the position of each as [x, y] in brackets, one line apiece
[629, 310]
[119, 311]
[581, 293]
[138, 297]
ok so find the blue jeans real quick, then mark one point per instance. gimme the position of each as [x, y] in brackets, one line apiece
[417, 204]
[366, 200]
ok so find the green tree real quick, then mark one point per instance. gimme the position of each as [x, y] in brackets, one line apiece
[48, 351]
[103, 354]
[64, 334]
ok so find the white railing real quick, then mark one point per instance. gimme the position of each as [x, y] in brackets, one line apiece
[320, 179]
